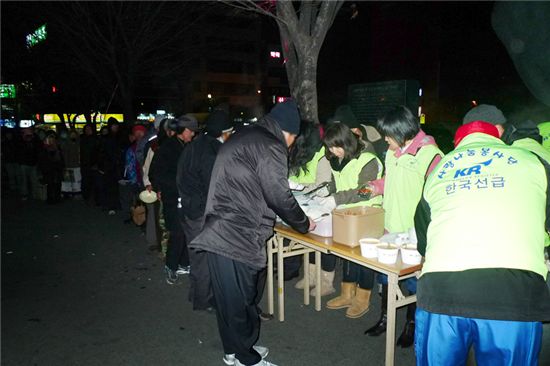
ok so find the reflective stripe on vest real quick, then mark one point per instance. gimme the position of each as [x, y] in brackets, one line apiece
[347, 178]
[488, 206]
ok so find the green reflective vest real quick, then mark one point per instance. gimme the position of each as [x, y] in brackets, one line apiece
[487, 203]
[347, 178]
[544, 131]
[309, 178]
[403, 185]
[540, 151]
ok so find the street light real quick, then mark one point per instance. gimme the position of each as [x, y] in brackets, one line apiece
[209, 96]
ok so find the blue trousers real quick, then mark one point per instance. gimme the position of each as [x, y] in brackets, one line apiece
[410, 283]
[446, 340]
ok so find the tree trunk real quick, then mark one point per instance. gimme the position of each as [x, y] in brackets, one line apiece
[306, 89]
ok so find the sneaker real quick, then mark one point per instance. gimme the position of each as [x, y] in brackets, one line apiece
[230, 359]
[171, 276]
[111, 212]
[261, 363]
[183, 270]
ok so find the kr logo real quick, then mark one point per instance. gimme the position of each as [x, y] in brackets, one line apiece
[476, 169]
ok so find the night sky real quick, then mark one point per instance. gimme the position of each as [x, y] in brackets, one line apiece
[449, 47]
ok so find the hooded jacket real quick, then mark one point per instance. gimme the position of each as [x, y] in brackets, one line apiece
[248, 188]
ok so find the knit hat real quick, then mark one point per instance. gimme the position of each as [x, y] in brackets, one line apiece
[476, 126]
[485, 113]
[158, 120]
[188, 121]
[139, 128]
[287, 116]
[345, 115]
[218, 122]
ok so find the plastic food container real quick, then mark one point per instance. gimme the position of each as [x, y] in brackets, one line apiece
[387, 253]
[368, 247]
[409, 254]
[324, 227]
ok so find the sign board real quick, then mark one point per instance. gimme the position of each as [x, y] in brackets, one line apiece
[371, 100]
[39, 35]
[101, 118]
[7, 91]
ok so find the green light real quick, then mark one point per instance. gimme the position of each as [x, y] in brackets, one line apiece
[7, 91]
[37, 36]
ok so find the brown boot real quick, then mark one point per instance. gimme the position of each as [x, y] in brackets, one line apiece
[359, 304]
[347, 293]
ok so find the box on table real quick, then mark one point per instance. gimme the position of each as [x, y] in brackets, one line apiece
[351, 224]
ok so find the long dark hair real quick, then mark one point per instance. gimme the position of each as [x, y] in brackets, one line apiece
[400, 124]
[306, 145]
[340, 135]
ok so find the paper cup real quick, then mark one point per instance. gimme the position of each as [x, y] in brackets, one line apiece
[387, 253]
[368, 247]
[409, 255]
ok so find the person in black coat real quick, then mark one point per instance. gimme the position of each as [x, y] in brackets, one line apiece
[248, 188]
[89, 149]
[193, 179]
[162, 174]
[50, 163]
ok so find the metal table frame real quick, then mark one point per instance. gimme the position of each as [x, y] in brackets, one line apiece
[303, 245]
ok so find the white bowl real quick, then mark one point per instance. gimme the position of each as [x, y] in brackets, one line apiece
[368, 247]
[410, 255]
[387, 253]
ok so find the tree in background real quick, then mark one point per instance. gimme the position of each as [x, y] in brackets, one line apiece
[118, 44]
[302, 28]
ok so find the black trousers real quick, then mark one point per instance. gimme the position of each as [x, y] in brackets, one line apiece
[177, 253]
[237, 289]
[359, 274]
[87, 186]
[200, 289]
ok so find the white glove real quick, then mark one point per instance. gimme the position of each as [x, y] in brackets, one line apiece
[295, 186]
[327, 202]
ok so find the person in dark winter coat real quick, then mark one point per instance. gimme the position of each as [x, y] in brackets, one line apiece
[89, 149]
[162, 175]
[193, 179]
[248, 188]
[51, 166]
[27, 156]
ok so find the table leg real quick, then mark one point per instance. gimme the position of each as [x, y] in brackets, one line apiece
[306, 279]
[317, 280]
[270, 304]
[281, 279]
[390, 329]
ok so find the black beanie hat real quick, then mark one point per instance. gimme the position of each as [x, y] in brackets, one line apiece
[287, 116]
[345, 115]
[218, 121]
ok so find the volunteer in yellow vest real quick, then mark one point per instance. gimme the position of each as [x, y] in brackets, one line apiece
[309, 168]
[411, 156]
[353, 165]
[525, 134]
[367, 133]
[479, 226]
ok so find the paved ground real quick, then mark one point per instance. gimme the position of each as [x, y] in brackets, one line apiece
[80, 288]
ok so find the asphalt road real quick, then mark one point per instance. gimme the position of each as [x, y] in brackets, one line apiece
[80, 288]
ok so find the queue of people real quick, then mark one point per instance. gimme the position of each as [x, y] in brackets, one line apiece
[217, 194]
